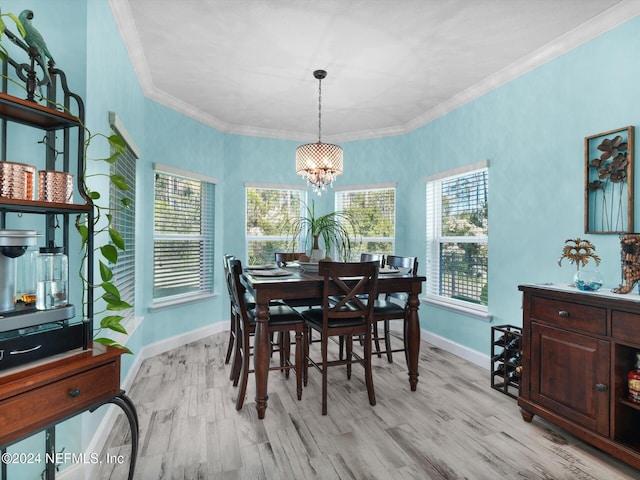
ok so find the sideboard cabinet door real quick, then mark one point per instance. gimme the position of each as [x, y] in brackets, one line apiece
[573, 375]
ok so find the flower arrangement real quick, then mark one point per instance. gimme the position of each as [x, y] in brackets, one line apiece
[578, 251]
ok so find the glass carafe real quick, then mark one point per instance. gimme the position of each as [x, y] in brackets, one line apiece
[52, 277]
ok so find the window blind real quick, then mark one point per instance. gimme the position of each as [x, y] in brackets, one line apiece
[124, 221]
[183, 236]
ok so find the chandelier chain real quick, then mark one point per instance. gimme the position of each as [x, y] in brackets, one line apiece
[319, 110]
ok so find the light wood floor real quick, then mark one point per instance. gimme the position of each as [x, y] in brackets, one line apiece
[454, 427]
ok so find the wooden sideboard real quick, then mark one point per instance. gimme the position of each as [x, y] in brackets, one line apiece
[578, 348]
[39, 395]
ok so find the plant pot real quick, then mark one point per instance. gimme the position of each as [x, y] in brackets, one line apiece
[317, 254]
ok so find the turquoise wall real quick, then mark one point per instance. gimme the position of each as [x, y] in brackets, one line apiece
[531, 130]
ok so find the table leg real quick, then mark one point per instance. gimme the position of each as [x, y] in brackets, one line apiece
[412, 339]
[261, 357]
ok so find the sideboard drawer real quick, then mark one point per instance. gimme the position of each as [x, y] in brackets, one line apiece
[625, 326]
[36, 408]
[570, 315]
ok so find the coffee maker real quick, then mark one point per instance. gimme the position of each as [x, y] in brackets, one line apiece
[13, 244]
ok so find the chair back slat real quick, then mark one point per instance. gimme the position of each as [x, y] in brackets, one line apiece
[357, 282]
[238, 290]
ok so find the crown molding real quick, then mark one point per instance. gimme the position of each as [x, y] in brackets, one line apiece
[605, 21]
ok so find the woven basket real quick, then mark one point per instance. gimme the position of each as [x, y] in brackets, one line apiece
[54, 186]
[17, 180]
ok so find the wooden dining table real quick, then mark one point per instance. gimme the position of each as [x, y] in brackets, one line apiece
[294, 283]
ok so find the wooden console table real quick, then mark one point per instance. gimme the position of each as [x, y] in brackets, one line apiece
[577, 350]
[40, 395]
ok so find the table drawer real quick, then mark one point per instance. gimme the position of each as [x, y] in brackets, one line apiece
[625, 326]
[37, 408]
[574, 316]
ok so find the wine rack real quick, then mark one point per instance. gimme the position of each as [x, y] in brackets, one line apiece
[506, 359]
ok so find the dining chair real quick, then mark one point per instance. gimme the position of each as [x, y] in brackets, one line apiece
[352, 315]
[281, 259]
[393, 307]
[232, 321]
[364, 257]
[282, 320]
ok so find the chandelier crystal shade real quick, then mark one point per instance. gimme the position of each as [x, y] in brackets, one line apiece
[319, 163]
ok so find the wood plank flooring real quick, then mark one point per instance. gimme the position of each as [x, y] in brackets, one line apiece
[453, 427]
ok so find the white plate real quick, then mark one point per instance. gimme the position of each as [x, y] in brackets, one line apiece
[389, 271]
[262, 267]
[310, 267]
[270, 273]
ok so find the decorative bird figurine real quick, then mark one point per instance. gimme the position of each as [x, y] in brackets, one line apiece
[34, 39]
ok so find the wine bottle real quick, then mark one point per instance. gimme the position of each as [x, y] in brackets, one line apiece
[634, 381]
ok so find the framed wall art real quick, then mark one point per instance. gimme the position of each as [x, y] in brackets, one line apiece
[608, 177]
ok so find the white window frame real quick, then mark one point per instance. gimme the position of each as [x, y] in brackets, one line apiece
[435, 238]
[208, 253]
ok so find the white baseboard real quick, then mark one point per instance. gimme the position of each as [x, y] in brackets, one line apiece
[457, 349]
[86, 472]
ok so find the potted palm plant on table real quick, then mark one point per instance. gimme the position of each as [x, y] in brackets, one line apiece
[336, 230]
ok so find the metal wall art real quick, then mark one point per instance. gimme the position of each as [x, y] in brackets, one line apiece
[608, 173]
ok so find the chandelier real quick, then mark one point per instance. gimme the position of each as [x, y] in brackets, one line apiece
[320, 163]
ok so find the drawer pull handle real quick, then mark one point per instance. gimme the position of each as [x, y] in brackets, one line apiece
[28, 350]
[74, 392]
[563, 314]
[601, 387]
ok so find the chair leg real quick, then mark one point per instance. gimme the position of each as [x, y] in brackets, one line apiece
[236, 365]
[232, 336]
[387, 341]
[324, 374]
[299, 347]
[349, 339]
[368, 374]
[244, 372]
[305, 366]
[377, 339]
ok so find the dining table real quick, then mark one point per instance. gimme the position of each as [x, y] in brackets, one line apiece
[266, 283]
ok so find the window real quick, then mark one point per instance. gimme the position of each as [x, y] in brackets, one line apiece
[457, 237]
[184, 207]
[373, 210]
[268, 209]
[124, 221]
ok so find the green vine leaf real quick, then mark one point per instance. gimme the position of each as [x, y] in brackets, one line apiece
[115, 304]
[83, 231]
[110, 253]
[117, 143]
[117, 239]
[113, 322]
[105, 272]
[119, 181]
[111, 343]
[94, 195]
[111, 289]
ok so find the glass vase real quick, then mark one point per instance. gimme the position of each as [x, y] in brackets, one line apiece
[588, 280]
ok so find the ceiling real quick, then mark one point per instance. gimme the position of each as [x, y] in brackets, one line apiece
[246, 66]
